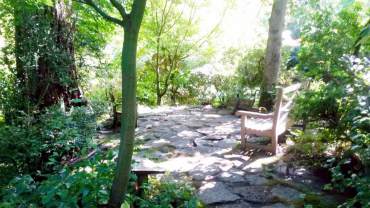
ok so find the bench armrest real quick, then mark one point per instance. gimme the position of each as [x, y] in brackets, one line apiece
[254, 114]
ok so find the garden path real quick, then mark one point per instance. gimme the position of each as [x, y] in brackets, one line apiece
[199, 144]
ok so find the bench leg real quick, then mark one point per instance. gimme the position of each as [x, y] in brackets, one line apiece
[274, 144]
[243, 139]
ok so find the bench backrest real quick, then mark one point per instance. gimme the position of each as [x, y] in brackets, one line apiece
[284, 103]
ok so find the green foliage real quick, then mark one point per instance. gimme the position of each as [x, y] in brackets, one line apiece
[364, 36]
[105, 92]
[66, 135]
[340, 116]
[44, 143]
[87, 185]
[335, 109]
[146, 92]
[310, 146]
[250, 68]
[172, 47]
[93, 34]
[326, 39]
[41, 53]
[244, 79]
[166, 194]
[225, 90]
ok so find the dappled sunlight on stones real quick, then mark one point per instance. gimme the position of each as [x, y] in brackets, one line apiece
[188, 134]
[195, 124]
[180, 164]
[232, 176]
[206, 116]
[142, 163]
[216, 192]
[257, 165]
[156, 143]
[198, 144]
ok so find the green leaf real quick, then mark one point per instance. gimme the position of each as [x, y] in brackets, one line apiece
[47, 2]
[125, 205]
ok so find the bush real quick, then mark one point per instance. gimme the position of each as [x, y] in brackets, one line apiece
[88, 185]
[166, 194]
[85, 185]
[339, 111]
[337, 105]
[43, 143]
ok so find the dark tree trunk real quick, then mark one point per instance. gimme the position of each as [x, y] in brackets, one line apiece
[159, 99]
[44, 51]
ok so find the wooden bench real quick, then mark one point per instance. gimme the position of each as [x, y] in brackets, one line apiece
[268, 125]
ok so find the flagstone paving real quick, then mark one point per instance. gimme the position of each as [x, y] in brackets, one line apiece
[199, 143]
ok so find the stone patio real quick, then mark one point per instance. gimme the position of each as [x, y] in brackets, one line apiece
[198, 143]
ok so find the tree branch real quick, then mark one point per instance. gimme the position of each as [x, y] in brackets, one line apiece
[102, 12]
[120, 8]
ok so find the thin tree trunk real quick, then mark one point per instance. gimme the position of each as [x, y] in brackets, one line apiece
[157, 78]
[128, 118]
[273, 55]
[159, 99]
[131, 24]
[115, 122]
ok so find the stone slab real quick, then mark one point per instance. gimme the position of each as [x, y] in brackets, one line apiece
[285, 193]
[256, 194]
[216, 192]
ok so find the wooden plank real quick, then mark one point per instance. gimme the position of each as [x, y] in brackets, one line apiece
[253, 114]
[292, 88]
[147, 171]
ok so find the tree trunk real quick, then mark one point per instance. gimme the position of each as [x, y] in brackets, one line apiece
[65, 30]
[157, 74]
[273, 55]
[131, 25]
[44, 51]
[173, 99]
[128, 118]
[159, 99]
[115, 122]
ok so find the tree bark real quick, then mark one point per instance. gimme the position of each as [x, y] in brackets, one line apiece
[128, 119]
[159, 99]
[44, 52]
[273, 54]
[131, 25]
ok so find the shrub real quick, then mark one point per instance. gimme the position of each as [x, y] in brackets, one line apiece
[42, 143]
[165, 194]
[336, 107]
[87, 185]
[339, 111]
